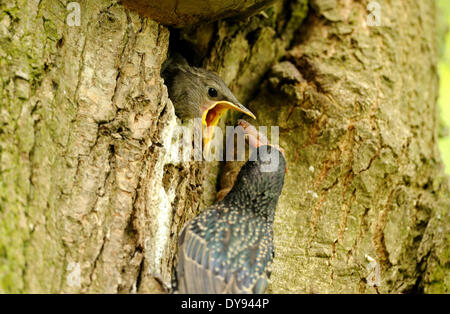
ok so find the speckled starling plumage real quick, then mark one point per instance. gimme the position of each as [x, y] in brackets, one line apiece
[229, 248]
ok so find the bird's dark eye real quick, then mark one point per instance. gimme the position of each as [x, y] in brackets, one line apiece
[212, 92]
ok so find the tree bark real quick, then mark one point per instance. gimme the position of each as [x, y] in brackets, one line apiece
[92, 198]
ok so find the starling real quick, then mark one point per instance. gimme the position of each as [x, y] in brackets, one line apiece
[228, 248]
[198, 93]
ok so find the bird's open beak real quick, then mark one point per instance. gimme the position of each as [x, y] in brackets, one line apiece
[212, 115]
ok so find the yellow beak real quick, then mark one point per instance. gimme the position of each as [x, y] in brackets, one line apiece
[211, 117]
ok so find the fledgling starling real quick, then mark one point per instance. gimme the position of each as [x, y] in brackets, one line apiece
[228, 248]
[198, 93]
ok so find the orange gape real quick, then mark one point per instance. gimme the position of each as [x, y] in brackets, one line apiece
[212, 115]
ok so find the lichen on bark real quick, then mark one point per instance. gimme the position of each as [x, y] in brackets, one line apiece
[78, 176]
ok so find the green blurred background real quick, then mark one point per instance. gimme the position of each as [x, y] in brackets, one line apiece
[444, 88]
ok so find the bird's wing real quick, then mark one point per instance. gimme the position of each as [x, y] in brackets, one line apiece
[198, 271]
[194, 273]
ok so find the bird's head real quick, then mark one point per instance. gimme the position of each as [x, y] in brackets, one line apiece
[214, 98]
[261, 179]
[267, 163]
[260, 182]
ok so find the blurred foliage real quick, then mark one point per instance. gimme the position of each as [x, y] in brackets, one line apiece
[444, 88]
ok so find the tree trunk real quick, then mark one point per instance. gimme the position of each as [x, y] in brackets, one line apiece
[92, 198]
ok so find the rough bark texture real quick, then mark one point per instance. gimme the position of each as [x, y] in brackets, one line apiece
[180, 13]
[86, 126]
[92, 199]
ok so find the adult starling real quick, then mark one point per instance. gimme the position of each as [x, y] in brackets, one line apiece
[229, 248]
[198, 93]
